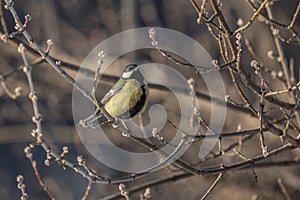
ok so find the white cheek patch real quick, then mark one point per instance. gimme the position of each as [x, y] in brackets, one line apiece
[127, 74]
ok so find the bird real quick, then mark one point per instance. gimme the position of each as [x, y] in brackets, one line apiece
[129, 97]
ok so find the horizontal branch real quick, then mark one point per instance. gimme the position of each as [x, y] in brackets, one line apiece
[172, 179]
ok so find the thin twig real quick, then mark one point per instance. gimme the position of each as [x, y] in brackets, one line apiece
[289, 27]
[87, 191]
[3, 22]
[182, 176]
[123, 191]
[21, 187]
[37, 117]
[291, 89]
[283, 189]
[197, 69]
[12, 95]
[37, 174]
[22, 30]
[206, 19]
[284, 62]
[255, 14]
[212, 187]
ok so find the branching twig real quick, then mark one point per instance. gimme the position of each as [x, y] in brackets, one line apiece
[182, 176]
[231, 43]
[28, 153]
[255, 14]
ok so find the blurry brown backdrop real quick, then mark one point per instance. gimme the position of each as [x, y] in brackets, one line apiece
[76, 27]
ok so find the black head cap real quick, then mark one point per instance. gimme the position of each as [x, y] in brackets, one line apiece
[130, 67]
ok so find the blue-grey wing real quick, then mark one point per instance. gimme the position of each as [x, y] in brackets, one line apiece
[113, 91]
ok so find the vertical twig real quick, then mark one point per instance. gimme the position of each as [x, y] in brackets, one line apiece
[97, 73]
[292, 70]
[294, 16]
[22, 29]
[87, 191]
[21, 187]
[36, 118]
[3, 23]
[200, 10]
[283, 189]
[124, 192]
[28, 153]
[283, 59]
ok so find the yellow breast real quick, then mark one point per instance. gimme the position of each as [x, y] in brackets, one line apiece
[127, 99]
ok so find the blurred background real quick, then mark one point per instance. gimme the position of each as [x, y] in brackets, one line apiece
[76, 27]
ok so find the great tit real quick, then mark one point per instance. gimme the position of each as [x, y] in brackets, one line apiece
[129, 96]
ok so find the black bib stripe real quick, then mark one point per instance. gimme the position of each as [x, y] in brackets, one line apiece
[138, 106]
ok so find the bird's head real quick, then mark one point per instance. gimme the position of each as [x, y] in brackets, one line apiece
[130, 71]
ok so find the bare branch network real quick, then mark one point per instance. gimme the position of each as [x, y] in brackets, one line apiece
[262, 85]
